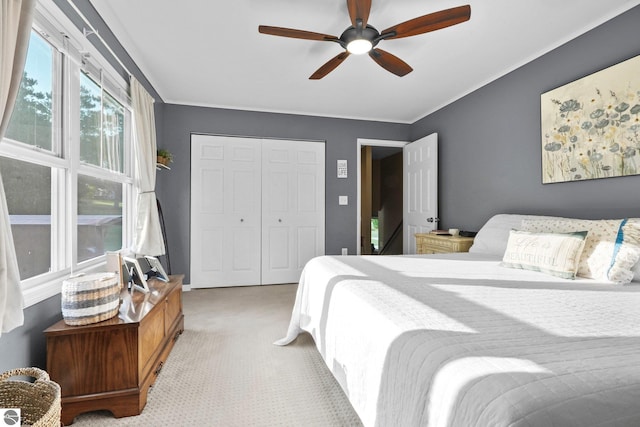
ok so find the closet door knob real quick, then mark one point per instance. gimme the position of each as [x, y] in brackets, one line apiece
[279, 220]
[241, 219]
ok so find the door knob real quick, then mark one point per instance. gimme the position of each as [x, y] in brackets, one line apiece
[432, 219]
[279, 220]
[241, 219]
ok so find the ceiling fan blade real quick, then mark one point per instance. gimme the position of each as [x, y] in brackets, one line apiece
[390, 62]
[359, 9]
[296, 34]
[430, 22]
[329, 66]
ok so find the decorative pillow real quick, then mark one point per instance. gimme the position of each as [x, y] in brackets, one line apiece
[557, 254]
[492, 237]
[611, 249]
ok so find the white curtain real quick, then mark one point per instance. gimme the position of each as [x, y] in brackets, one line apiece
[16, 17]
[148, 234]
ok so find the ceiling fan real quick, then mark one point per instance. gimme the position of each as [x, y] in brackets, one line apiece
[362, 38]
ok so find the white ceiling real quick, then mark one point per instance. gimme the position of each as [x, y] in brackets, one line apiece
[209, 52]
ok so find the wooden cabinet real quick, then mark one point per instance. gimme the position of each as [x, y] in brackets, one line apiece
[112, 364]
[434, 244]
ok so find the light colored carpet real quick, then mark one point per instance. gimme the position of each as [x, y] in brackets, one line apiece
[225, 371]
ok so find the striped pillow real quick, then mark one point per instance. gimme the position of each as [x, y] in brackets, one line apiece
[557, 254]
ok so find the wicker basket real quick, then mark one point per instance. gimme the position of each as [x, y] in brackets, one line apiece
[39, 402]
[90, 299]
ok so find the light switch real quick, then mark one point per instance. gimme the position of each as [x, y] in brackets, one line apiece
[343, 200]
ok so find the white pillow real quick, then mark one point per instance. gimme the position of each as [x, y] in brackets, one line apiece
[611, 250]
[557, 254]
[494, 234]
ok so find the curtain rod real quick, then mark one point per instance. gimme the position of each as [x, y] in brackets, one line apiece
[94, 31]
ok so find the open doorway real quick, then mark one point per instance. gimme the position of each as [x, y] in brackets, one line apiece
[380, 210]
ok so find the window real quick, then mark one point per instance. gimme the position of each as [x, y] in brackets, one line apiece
[375, 245]
[102, 140]
[99, 217]
[28, 190]
[112, 133]
[101, 126]
[32, 118]
[66, 171]
[90, 121]
[28, 186]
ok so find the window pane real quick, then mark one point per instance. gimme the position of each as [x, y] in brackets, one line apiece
[90, 108]
[31, 120]
[113, 136]
[99, 217]
[28, 190]
[375, 246]
[101, 127]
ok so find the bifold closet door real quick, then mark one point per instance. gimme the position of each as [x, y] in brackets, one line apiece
[225, 211]
[257, 209]
[292, 208]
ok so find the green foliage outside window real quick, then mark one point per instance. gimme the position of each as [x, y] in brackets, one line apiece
[32, 117]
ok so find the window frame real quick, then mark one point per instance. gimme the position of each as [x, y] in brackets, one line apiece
[64, 158]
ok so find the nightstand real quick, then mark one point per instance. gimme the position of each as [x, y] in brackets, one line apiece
[427, 243]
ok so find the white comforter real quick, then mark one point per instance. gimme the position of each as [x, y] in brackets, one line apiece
[457, 340]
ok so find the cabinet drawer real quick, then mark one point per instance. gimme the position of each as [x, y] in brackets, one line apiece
[444, 245]
[430, 244]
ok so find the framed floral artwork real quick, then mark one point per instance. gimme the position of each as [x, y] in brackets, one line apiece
[591, 127]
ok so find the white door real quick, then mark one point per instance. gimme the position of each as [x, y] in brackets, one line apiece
[420, 187]
[225, 211]
[257, 210]
[292, 208]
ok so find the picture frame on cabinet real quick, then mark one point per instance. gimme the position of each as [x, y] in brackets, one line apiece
[155, 269]
[135, 274]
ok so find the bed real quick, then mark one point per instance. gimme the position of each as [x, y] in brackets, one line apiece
[463, 340]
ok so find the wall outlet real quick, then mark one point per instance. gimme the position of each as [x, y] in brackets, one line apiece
[345, 251]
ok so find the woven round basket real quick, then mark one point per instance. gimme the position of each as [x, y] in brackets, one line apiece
[90, 299]
[39, 402]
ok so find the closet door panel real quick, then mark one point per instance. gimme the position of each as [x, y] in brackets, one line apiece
[293, 200]
[225, 211]
[307, 244]
[211, 249]
[277, 257]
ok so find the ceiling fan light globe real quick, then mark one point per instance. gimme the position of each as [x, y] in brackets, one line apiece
[359, 46]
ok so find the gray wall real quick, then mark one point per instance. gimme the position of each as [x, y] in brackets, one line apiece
[340, 135]
[490, 143]
[26, 346]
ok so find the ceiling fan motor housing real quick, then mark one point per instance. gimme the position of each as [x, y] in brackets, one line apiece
[352, 33]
